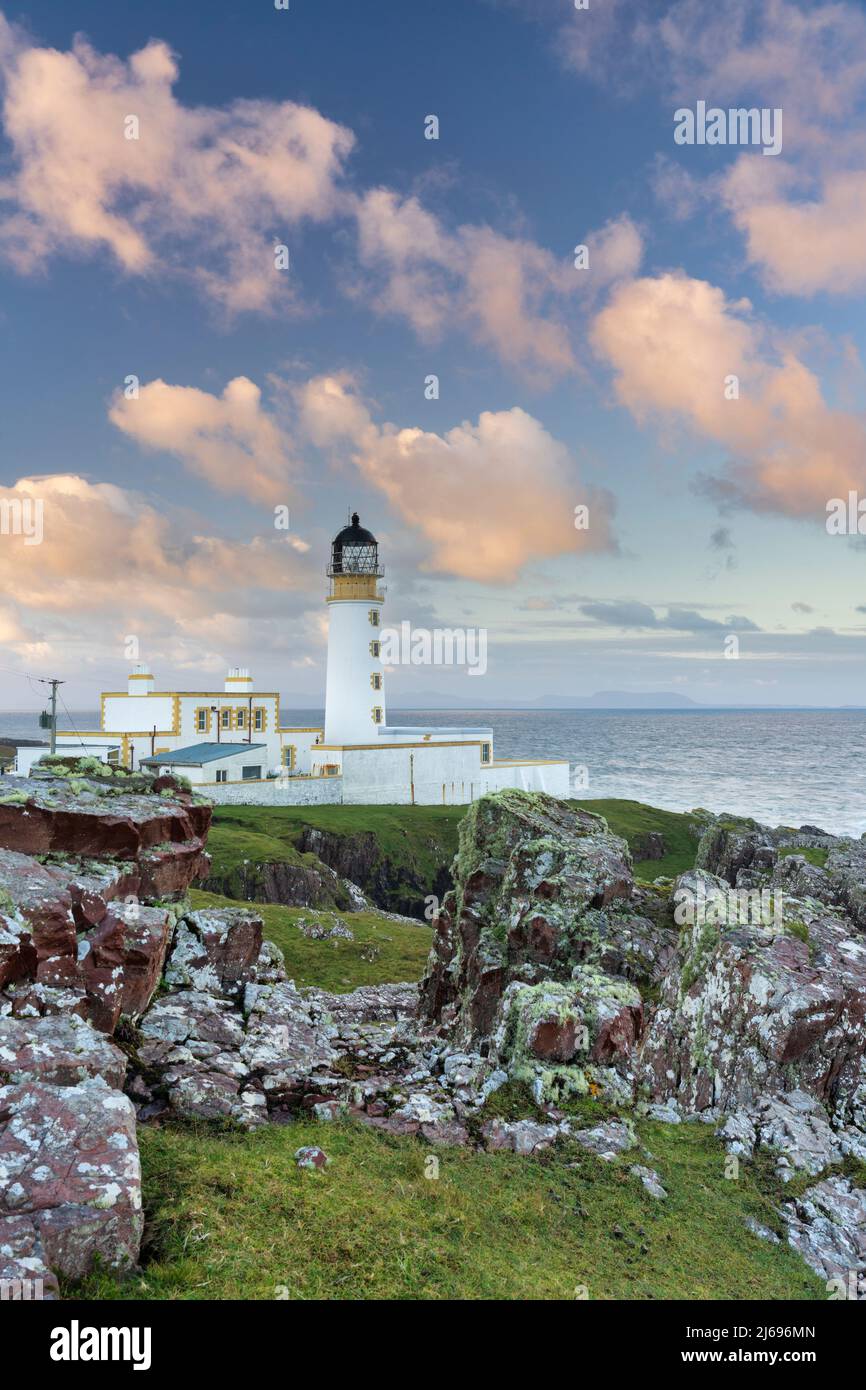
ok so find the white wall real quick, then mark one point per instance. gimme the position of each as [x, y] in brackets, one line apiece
[279, 791]
[349, 696]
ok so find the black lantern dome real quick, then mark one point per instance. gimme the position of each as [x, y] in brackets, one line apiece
[354, 551]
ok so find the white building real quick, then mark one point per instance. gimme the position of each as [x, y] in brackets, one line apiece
[356, 757]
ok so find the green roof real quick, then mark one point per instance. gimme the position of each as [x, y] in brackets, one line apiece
[199, 753]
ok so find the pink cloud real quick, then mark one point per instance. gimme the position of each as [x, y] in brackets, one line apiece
[673, 341]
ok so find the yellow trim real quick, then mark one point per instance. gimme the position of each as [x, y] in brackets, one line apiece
[354, 586]
[185, 694]
[296, 730]
[263, 727]
[376, 710]
[139, 677]
[235, 680]
[376, 680]
[384, 744]
[375, 648]
[531, 762]
[205, 710]
[373, 616]
[288, 756]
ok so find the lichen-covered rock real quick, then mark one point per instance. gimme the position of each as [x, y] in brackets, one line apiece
[794, 1126]
[528, 872]
[649, 1179]
[283, 1044]
[59, 1049]
[552, 1036]
[215, 949]
[69, 1163]
[607, 1139]
[520, 1136]
[846, 870]
[77, 817]
[751, 1010]
[827, 1225]
[24, 1275]
[733, 844]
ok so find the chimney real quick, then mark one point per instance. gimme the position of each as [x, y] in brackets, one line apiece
[239, 681]
[140, 680]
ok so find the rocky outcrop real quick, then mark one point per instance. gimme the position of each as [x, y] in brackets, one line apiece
[750, 1009]
[61, 1050]
[70, 1179]
[527, 877]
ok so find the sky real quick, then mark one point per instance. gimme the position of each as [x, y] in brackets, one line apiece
[232, 260]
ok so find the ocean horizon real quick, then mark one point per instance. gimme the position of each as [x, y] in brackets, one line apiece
[781, 766]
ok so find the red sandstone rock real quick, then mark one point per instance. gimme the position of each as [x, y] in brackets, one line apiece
[70, 1163]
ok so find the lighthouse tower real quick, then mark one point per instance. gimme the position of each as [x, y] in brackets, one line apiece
[355, 690]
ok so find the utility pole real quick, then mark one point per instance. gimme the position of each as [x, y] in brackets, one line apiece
[54, 684]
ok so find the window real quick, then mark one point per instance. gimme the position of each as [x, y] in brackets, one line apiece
[241, 715]
[202, 721]
[226, 718]
[377, 714]
[376, 680]
[289, 756]
[374, 617]
[222, 774]
[259, 718]
[485, 752]
[375, 647]
[251, 774]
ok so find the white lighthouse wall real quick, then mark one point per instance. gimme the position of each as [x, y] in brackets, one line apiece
[438, 774]
[349, 695]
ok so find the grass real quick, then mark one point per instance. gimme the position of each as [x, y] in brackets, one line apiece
[412, 848]
[630, 819]
[381, 953]
[230, 1216]
[233, 1217]
[813, 854]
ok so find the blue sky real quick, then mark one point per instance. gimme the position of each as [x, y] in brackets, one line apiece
[411, 257]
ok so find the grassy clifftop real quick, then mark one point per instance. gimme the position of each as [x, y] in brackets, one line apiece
[397, 854]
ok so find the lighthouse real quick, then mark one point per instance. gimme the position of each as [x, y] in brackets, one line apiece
[355, 688]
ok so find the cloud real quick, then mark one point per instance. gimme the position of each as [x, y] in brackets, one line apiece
[634, 614]
[509, 293]
[803, 216]
[228, 440]
[202, 188]
[802, 607]
[721, 539]
[95, 532]
[487, 497]
[673, 343]
[211, 192]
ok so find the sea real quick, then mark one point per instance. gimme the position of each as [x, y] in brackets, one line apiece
[782, 767]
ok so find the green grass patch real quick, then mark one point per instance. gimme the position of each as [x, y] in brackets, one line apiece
[813, 854]
[232, 1217]
[631, 819]
[382, 952]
